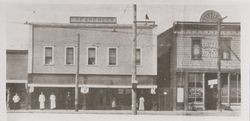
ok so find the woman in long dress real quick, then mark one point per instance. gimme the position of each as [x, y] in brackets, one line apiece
[52, 101]
[141, 103]
[42, 100]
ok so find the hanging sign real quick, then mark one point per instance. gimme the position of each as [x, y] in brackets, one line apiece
[153, 91]
[31, 89]
[84, 90]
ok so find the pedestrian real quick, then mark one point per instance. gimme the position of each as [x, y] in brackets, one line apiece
[113, 104]
[141, 103]
[68, 101]
[42, 101]
[16, 100]
[52, 101]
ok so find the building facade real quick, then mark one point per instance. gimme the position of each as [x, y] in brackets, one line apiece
[189, 52]
[17, 77]
[105, 63]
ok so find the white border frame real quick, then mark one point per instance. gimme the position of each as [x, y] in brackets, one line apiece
[87, 58]
[53, 55]
[116, 56]
[65, 54]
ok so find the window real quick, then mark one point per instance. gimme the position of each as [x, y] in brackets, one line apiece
[91, 56]
[48, 55]
[112, 56]
[195, 87]
[196, 48]
[235, 88]
[225, 48]
[69, 55]
[138, 56]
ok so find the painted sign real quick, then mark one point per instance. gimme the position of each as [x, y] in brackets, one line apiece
[93, 20]
[210, 16]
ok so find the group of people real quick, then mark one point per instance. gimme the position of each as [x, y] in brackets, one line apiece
[42, 100]
[141, 103]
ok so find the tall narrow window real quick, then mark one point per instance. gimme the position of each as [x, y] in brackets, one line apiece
[69, 55]
[48, 55]
[138, 56]
[196, 48]
[112, 56]
[225, 48]
[91, 56]
[195, 87]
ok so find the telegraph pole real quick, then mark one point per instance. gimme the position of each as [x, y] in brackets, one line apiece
[133, 77]
[77, 73]
[219, 107]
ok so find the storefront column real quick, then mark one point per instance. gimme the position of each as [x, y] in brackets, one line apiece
[174, 92]
[229, 89]
[186, 91]
[203, 87]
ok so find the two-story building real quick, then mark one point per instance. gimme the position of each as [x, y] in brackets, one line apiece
[188, 57]
[105, 62]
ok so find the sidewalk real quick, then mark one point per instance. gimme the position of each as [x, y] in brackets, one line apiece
[128, 112]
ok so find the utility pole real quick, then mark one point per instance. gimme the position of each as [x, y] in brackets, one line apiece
[219, 107]
[133, 77]
[77, 73]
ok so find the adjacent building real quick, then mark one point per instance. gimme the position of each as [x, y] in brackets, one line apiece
[105, 62]
[188, 64]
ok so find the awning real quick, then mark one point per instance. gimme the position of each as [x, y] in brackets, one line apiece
[91, 81]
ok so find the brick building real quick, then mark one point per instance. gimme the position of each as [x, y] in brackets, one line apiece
[104, 63]
[187, 64]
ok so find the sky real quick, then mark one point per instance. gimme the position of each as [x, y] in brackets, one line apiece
[17, 33]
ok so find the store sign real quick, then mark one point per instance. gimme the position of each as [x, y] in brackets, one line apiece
[212, 82]
[210, 16]
[93, 20]
[84, 90]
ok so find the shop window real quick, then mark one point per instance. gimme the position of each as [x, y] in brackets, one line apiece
[235, 88]
[196, 48]
[138, 56]
[112, 59]
[48, 55]
[91, 56]
[69, 55]
[195, 87]
[225, 48]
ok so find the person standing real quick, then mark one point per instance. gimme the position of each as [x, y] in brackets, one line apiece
[68, 100]
[16, 100]
[42, 101]
[141, 103]
[113, 103]
[52, 101]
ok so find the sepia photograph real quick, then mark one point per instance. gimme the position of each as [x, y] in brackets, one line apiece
[128, 60]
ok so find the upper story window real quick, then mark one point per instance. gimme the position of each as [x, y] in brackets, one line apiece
[91, 56]
[69, 55]
[112, 53]
[138, 56]
[225, 48]
[196, 48]
[48, 55]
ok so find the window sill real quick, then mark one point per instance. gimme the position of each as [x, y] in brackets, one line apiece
[112, 65]
[69, 64]
[48, 64]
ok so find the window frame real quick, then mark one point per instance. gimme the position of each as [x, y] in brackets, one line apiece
[223, 40]
[192, 48]
[65, 55]
[87, 62]
[52, 60]
[140, 56]
[116, 63]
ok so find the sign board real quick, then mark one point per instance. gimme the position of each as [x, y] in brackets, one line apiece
[93, 20]
[180, 95]
[84, 90]
[212, 82]
[210, 16]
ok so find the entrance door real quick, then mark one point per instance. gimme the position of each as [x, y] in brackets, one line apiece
[210, 92]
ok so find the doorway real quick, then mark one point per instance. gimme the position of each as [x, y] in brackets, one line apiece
[210, 92]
